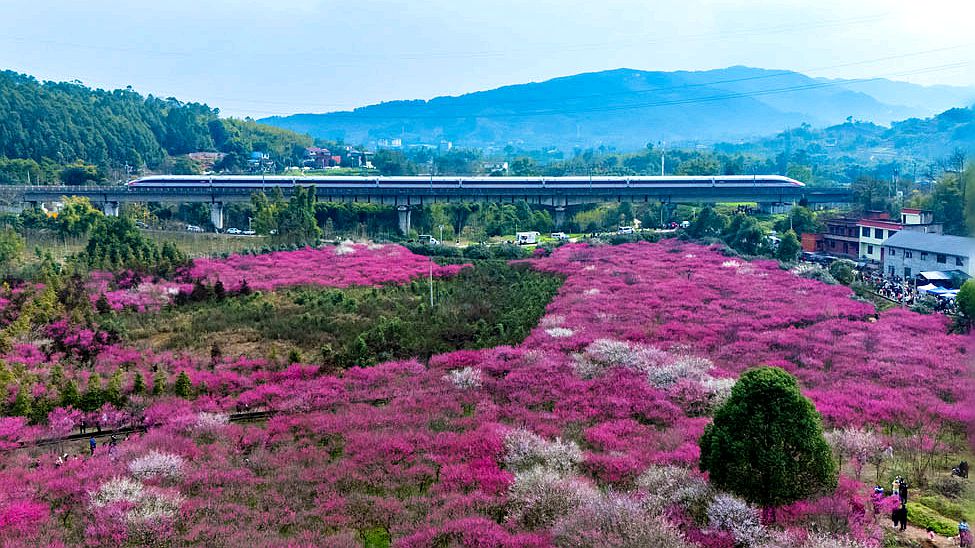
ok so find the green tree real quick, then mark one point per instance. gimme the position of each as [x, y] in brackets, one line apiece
[766, 442]
[800, 219]
[139, 384]
[21, 406]
[183, 386]
[708, 224]
[966, 300]
[788, 247]
[70, 395]
[159, 383]
[11, 248]
[745, 235]
[843, 271]
[77, 217]
[80, 173]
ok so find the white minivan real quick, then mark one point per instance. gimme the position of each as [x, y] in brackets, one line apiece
[625, 230]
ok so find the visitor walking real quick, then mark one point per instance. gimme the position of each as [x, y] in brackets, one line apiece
[91, 444]
[964, 534]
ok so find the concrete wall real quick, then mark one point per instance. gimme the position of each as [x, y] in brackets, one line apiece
[922, 261]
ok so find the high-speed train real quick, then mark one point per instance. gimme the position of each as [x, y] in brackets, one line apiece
[444, 182]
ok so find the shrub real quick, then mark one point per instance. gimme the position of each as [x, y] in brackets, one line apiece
[943, 506]
[468, 378]
[729, 513]
[843, 271]
[665, 486]
[540, 496]
[952, 487]
[615, 520]
[524, 450]
[924, 517]
[814, 272]
[157, 464]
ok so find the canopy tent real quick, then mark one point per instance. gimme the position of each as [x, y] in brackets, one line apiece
[927, 288]
[934, 275]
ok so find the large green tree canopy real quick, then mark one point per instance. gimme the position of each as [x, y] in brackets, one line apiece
[766, 443]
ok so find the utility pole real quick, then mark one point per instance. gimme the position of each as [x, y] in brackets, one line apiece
[431, 284]
[663, 154]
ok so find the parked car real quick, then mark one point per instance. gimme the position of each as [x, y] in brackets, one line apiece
[560, 236]
[234, 231]
[625, 230]
[685, 224]
[248, 232]
[140, 224]
[194, 228]
[428, 239]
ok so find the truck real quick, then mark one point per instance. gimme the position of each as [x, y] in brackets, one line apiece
[526, 238]
[428, 239]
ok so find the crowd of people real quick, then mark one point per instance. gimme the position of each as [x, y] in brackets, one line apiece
[905, 292]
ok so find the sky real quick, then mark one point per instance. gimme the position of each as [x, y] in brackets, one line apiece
[277, 57]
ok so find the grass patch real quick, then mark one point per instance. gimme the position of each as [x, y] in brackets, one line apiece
[491, 304]
[921, 516]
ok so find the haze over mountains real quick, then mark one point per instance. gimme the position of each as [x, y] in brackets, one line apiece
[627, 109]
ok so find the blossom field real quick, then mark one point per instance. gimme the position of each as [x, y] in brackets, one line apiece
[333, 266]
[585, 434]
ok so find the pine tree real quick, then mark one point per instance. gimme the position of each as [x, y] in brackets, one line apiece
[113, 394]
[70, 395]
[158, 383]
[94, 395]
[766, 443]
[139, 383]
[183, 387]
[22, 403]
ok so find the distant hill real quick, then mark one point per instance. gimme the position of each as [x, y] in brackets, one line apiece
[56, 123]
[629, 108]
[923, 139]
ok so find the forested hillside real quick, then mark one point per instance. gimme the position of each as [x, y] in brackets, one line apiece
[47, 125]
[627, 109]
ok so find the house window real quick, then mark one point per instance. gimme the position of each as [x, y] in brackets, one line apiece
[942, 259]
[908, 254]
[878, 233]
[865, 232]
[907, 273]
[891, 233]
[869, 250]
[924, 256]
[892, 252]
[959, 261]
[891, 268]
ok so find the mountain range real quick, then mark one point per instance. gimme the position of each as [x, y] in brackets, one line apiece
[628, 108]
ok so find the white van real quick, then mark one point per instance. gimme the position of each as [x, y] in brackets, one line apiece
[560, 236]
[625, 230]
[526, 238]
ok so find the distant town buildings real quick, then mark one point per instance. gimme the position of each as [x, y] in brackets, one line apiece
[910, 253]
[863, 238]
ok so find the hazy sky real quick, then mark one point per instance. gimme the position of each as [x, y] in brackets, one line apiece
[279, 57]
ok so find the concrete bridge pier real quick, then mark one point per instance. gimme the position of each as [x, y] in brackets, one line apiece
[111, 209]
[559, 217]
[216, 215]
[774, 208]
[404, 219]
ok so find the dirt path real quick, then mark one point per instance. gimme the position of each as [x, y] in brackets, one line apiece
[920, 536]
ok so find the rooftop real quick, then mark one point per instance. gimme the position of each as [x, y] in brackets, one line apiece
[880, 224]
[936, 243]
